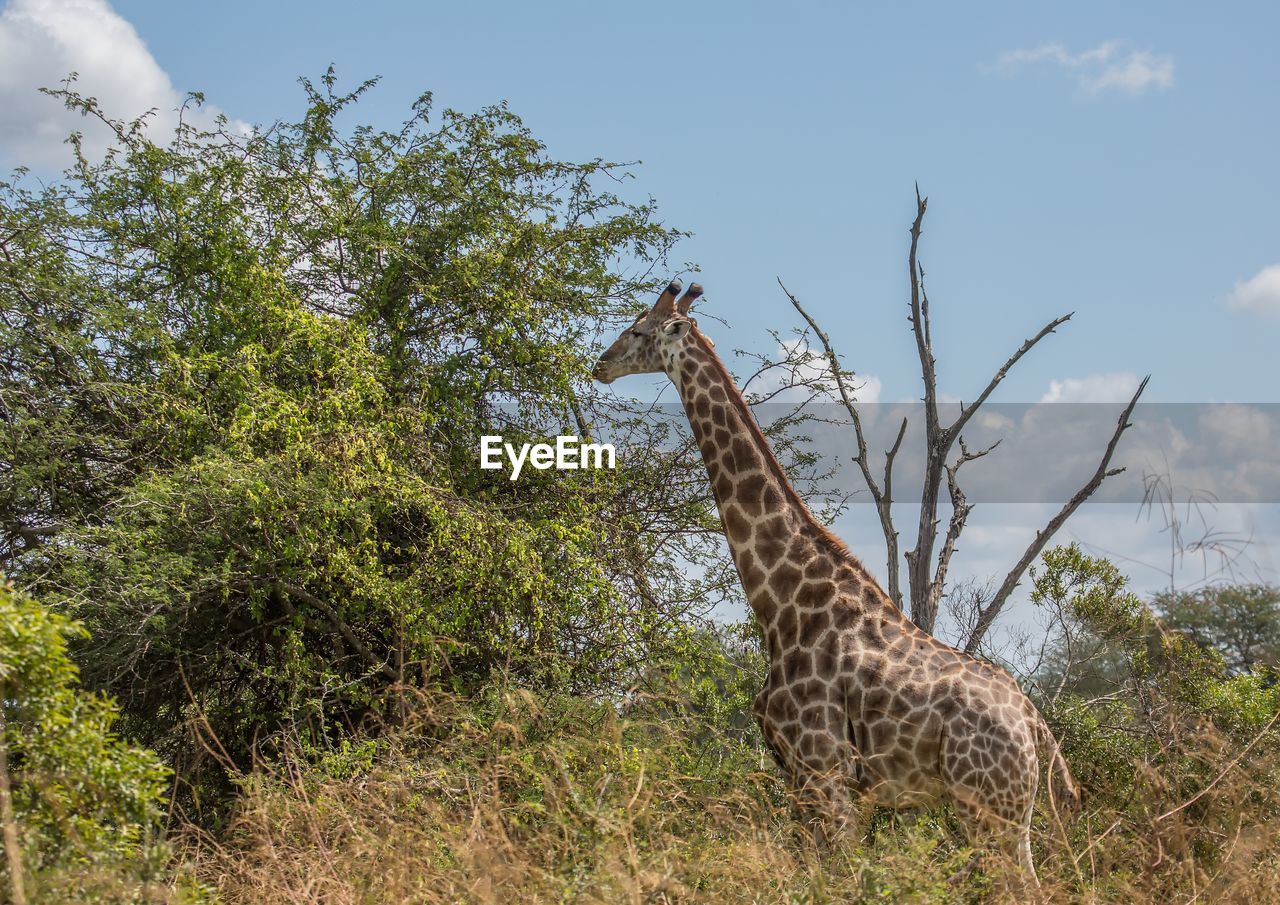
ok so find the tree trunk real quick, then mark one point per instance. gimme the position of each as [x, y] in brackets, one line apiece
[11, 849]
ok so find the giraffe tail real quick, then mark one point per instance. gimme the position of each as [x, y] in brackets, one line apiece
[1065, 794]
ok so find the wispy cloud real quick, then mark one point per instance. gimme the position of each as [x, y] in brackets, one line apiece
[1113, 66]
[1260, 294]
[1117, 387]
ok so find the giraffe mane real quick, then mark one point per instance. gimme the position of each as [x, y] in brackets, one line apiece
[823, 533]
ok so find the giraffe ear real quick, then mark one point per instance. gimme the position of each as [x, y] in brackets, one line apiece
[676, 328]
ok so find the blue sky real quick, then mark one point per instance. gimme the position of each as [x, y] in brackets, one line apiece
[1116, 160]
[789, 139]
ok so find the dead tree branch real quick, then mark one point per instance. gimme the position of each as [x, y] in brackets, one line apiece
[921, 568]
[993, 608]
[960, 509]
[881, 496]
[928, 562]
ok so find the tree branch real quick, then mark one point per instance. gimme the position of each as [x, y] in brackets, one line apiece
[960, 509]
[937, 441]
[992, 609]
[920, 319]
[967, 411]
[882, 498]
[8, 822]
[345, 630]
[925, 590]
[885, 509]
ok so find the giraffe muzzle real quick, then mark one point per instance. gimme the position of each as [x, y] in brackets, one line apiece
[601, 372]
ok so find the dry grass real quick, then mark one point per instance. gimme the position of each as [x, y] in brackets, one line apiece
[569, 803]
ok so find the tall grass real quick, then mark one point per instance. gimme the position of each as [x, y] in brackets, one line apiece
[516, 799]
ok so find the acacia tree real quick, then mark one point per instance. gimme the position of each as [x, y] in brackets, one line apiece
[242, 386]
[927, 562]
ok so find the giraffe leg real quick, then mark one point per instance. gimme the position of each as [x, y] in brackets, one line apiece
[810, 764]
[768, 731]
[826, 772]
[1024, 858]
[1011, 837]
[993, 788]
[826, 808]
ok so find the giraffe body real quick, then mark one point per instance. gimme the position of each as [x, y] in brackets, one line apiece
[860, 705]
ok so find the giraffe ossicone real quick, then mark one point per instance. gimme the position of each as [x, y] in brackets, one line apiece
[860, 705]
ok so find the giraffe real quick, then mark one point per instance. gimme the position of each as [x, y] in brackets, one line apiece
[860, 706]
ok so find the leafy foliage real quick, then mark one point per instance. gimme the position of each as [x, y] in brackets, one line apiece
[82, 796]
[1240, 621]
[244, 380]
[1160, 696]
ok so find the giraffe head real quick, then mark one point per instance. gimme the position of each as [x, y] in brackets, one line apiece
[649, 344]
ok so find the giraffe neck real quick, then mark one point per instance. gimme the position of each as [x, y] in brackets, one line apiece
[780, 549]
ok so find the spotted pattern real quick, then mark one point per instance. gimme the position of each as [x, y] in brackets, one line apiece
[860, 706]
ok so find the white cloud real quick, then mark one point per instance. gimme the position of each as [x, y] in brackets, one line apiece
[41, 43]
[1259, 294]
[994, 421]
[1134, 74]
[1111, 66]
[1117, 387]
[866, 388]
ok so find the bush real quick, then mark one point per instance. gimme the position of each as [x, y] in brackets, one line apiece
[244, 383]
[88, 804]
[1180, 757]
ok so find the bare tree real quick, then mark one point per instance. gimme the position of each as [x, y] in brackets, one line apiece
[926, 569]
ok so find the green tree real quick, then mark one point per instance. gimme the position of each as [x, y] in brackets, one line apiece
[1239, 621]
[244, 381]
[1109, 638]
